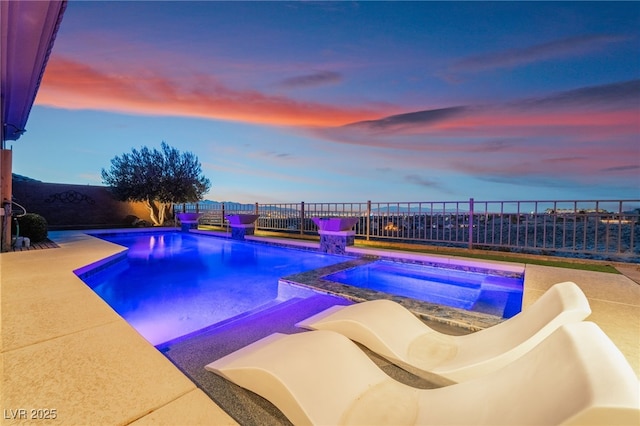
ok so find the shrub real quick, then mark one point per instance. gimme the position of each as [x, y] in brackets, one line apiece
[135, 222]
[32, 226]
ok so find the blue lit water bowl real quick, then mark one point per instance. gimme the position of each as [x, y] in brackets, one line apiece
[242, 219]
[335, 224]
[188, 220]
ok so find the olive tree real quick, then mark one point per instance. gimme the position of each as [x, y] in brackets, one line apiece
[159, 178]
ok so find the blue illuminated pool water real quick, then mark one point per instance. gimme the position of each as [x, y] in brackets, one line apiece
[480, 292]
[173, 283]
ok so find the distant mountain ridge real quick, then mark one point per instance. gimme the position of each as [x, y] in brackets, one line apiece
[390, 209]
[232, 205]
[19, 178]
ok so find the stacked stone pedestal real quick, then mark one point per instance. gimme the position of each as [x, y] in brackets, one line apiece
[239, 230]
[186, 225]
[336, 242]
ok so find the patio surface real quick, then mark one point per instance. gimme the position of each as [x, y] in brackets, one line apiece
[64, 349]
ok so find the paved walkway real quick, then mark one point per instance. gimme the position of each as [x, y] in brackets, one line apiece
[631, 271]
[64, 349]
[614, 301]
[46, 244]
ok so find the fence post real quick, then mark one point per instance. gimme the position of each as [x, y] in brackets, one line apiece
[470, 223]
[368, 227]
[301, 217]
[222, 217]
[255, 226]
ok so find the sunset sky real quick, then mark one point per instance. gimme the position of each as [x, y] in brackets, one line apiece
[342, 101]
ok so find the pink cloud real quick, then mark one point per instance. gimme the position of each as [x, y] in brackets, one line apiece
[73, 85]
[548, 143]
[606, 113]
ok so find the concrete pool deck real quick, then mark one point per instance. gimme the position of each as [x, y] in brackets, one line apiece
[64, 349]
[67, 354]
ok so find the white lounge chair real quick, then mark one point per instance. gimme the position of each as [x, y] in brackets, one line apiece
[393, 332]
[576, 376]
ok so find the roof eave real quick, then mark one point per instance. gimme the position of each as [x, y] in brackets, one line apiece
[28, 31]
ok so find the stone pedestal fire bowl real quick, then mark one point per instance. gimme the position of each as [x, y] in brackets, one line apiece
[335, 223]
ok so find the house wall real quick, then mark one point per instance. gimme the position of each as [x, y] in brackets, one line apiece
[67, 206]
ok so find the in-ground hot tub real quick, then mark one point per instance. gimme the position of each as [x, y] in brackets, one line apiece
[493, 292]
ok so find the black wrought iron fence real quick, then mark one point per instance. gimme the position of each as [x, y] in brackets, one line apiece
[605, 229]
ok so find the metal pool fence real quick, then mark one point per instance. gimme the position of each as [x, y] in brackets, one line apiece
[599, 229]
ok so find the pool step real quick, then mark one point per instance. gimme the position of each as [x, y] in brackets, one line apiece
[276, 314]
[274, 305]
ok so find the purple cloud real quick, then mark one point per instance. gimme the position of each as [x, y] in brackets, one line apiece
[310, 80]
[495, 145]
[541, 52]
[409, 119]
[622, 94]
[631, 167]
[424, 182]
[607, 97]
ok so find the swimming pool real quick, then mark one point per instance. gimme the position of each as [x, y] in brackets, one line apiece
[493, 294]
[172, 283]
